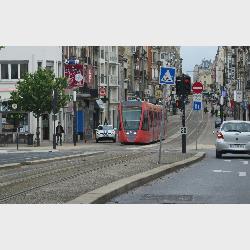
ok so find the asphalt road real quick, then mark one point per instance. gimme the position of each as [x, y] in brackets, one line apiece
[211, 181]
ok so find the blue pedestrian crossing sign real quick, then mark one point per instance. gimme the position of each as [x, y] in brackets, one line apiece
[167, 75]
[196, 105]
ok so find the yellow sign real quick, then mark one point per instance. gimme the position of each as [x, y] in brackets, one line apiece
[158, 94]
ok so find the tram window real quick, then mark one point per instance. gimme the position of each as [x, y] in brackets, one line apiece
[151, 118]
[155, 119]
[145, 121]
[131, 118]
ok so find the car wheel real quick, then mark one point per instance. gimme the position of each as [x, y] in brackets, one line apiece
[218, 154]
[96, 141]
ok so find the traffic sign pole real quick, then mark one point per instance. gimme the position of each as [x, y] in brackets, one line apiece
[162, 120]
[183, 136]
[166, 77]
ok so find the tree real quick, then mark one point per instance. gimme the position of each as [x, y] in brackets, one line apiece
[34, 94]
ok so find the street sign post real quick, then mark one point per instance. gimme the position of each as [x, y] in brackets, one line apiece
[183, 130]
[167, 76]
[197, 105]
[197, 97]
[197, 87]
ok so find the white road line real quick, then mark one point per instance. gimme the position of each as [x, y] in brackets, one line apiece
[221, 171]
[227, 160]
[244, 162]
[242, 173]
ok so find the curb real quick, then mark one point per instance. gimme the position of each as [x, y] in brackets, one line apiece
[106, 193]
[15, 165]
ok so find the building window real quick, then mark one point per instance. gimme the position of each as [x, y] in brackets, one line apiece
[23, 70]
[4, 71]
[14, 71]
[50, 65]
[102, 54]
[39, 65]
[59, 69]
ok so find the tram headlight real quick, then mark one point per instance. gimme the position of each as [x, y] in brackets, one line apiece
[127, 133]
[134, 133]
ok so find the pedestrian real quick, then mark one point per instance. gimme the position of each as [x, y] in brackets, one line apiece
[205, 109]
[59, 132]
[105, 121]
[212, 111]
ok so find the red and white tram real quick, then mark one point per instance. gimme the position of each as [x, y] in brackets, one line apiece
[140, 122]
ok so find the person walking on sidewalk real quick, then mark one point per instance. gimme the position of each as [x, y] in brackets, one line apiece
[59, 132]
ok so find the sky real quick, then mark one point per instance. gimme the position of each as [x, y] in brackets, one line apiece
[193, 55]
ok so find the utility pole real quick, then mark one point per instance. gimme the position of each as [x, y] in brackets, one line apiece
[183, 137]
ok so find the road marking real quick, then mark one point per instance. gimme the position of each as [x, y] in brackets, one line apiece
[245, 162]
[221, 171]
[242, 173]
[228, 160]
[217, 171]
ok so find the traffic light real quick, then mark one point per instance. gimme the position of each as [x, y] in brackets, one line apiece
[187, 84]
[178, 84]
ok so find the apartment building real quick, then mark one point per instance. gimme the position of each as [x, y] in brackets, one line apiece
[15, 61]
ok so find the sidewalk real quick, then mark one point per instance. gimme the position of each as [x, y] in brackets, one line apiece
[46, 146]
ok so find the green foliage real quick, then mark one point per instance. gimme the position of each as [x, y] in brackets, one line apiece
[34, 92]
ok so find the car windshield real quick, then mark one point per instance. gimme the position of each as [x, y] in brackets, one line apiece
[105, 127]
[131, 118]
[236, 127]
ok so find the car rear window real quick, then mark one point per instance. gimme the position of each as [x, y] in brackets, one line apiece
[240, 127]
[105, 127]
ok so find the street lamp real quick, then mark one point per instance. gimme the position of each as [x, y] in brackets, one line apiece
[54, 104]
[74, 120]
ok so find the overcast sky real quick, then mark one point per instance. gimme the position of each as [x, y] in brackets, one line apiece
[194, 54]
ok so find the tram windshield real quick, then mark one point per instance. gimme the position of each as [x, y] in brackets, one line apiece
[131, 118]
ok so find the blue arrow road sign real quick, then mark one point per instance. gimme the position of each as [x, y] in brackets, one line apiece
[167, 75]
[196, 105]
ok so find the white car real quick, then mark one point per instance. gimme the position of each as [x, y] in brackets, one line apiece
[233, 137]
[105, 132]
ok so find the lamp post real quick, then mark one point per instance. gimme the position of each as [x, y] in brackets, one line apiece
[54, 102]
[74, 120]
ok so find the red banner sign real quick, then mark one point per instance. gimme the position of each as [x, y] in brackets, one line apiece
[75, 75]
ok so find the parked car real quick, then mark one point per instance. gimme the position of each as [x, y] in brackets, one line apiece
[217, 122]
[105, 132]
[233, 137]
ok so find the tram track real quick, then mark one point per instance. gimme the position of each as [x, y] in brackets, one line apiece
[54, 176]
